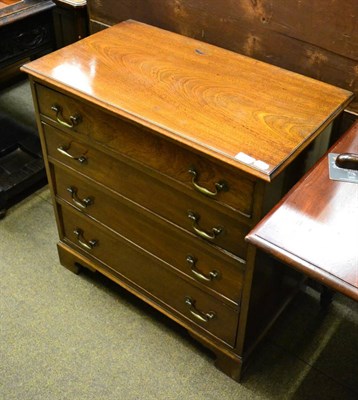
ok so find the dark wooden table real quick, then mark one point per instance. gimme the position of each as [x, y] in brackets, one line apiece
[315, 227]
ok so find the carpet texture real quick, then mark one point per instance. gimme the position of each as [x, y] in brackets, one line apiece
[16, 101]
[64, 336]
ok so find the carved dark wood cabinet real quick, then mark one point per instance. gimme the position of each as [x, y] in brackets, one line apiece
[26, 32]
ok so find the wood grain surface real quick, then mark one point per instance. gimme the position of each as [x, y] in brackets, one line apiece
[212, 99]
[314, 38]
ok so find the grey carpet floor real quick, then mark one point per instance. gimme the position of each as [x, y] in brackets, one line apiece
[69, 337]
[65, 336]
[16, 101]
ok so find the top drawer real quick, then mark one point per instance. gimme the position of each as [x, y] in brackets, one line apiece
[226, 186]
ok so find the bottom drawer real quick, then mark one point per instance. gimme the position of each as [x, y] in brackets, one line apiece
[151, 275]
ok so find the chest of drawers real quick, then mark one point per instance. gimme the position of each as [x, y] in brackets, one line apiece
[162, 153]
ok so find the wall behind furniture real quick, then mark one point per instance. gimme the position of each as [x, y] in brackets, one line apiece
[316, 38]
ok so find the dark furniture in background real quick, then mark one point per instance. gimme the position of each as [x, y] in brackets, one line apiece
[26, 32]
[29, 29]
[70, 21]
[32, 28]
[21, 165]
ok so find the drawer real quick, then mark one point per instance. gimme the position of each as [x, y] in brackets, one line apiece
[219, 183]
[209, 268]
[151, 275]
[175, 204]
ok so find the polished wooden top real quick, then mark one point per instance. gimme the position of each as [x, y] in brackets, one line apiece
[314, 228]
[252, 115]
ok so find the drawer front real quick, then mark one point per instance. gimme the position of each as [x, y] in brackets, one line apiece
[222, 185]
[151, 275]
[173, 204]
[210, 268]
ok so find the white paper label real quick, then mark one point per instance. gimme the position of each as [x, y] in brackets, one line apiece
[245, 158]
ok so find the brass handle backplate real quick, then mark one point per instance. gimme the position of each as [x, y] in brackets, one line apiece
[200, 276]
[87, 244]
[64, 150]
[82, 203]
[209, 236]
[74, 119]
[201, 316]
[219, 186]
